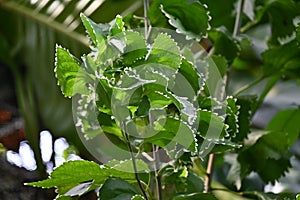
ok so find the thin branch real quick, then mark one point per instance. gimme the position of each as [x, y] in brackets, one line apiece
[157, 177]
[147, 22]
[209, 172]
[133, 161]
[246, 87]
[238, 18]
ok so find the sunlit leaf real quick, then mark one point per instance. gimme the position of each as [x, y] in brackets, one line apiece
[70, 76]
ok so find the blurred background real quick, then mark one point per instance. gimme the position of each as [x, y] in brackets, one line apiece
[33, 112]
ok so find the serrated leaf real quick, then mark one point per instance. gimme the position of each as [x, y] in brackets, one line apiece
[170, 130]
[215, 145]
[127, 166]
[117, 189]
[188, 70]
[70, 76]
[117, 27]
[281, 14]
[137, 197]
[210, 125]
[183, 15]
[97, 32]
[246, 104]
[285, 121]
[181, 179]
[79, 189]
[194, 196]
[135, 49]
[273, 160]
[231, 119]
[275, 62]
[72, 174]
[224, 44]
[221, 15]
[165, 51]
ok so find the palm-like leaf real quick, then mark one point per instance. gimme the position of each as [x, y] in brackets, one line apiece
[30, 29]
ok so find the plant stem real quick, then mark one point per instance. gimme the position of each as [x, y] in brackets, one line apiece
[209, 172]
[246, 87]
[157, 177]
[147, 22]
[211, 158]
[270, 84]
[238, 18]
[133, 161]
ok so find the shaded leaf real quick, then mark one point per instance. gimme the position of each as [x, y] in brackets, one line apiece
[117, 189]
[181, 14]
[265, 153]
[285, 121]
[246, 105]
[221, 15]
[287, 63]
[281, 14]
[224, 44]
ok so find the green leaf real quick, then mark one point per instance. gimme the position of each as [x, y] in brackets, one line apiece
[221, 15]
[97, 32]
[221, 63]
[137, 197]
[196, 80]
[117, 27]
[234, 172]
[127, 166]
[135, 49]
[167, 131]
[265, 153]
[246, 105]
[276, 62]
[117, 189]
[181, 180]
[194, 196]
[281, 14]
[210, 125]
[224, 44]
[75, 177]
[165, 51]
[214, 145]
[71, 174]
[231, 119]
[285, 121]
[181, 14]
[68, 72]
